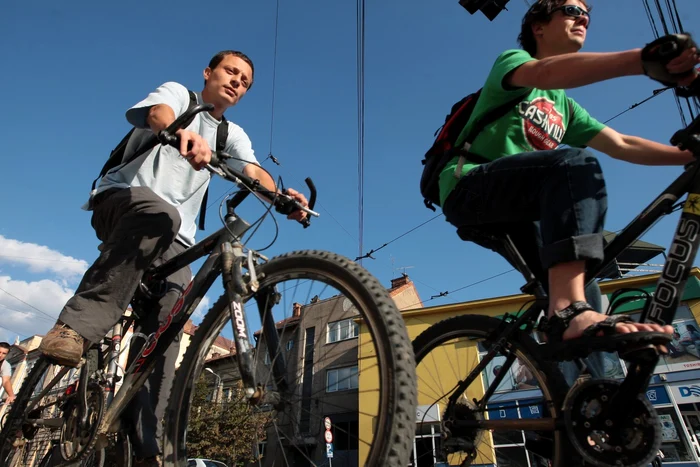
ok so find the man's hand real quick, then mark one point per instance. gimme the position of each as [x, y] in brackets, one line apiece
[301, 199]
[10, 399]
[199, 154]
[685, 63]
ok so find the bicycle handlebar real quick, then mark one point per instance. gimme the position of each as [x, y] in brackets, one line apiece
[283, 203]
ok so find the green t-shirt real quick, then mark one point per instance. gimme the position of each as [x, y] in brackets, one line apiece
[541, 121]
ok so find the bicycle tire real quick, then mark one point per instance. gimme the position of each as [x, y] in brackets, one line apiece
[396, 423]
[15, 415]
[484, 326]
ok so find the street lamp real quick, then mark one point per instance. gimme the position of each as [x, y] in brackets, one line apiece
[218, 383]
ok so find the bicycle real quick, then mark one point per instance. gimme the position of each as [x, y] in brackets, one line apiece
[89, 421]
[608, 423]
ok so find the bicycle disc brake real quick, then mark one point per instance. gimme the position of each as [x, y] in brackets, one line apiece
[631, 440]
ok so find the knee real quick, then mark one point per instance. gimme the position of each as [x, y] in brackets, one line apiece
[169, 221]
[579, 157]
[157, 216]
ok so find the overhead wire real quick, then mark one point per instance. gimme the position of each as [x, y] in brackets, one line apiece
[360, 120]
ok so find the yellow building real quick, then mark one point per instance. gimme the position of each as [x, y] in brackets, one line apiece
[674, 389]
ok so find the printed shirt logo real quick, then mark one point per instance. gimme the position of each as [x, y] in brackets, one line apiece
[542, 123]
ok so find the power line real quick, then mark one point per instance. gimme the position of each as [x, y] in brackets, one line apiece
[361, 119]
[369, 254]
[13, 331]
[274, 79]
[655, 93]
[28, 304]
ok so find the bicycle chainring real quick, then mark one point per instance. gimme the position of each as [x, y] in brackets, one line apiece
[630, 441]
[77, 440]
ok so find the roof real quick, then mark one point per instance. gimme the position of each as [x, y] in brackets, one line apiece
[640, 252]
[220, 341]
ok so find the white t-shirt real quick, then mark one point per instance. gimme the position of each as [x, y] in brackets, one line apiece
[5, 369]
[163, 170]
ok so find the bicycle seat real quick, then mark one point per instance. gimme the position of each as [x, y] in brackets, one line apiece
[493, 237]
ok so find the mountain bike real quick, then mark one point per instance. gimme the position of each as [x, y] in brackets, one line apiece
[85, 407]
[607, 422]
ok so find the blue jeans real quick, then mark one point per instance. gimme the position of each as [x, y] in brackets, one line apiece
[551, 203]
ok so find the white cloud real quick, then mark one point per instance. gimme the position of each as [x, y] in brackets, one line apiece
[20, 300]
[201, 309]
[39, 258]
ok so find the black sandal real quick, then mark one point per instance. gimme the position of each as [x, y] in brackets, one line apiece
[611, 341]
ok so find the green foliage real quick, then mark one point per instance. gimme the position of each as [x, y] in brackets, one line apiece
[225, 430]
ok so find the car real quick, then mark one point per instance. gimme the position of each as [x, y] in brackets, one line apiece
[204, 463]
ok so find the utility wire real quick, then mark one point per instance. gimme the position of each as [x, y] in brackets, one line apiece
[370, 252]
[274, 79]
[28, 304]
[361, 120]
[633, 106]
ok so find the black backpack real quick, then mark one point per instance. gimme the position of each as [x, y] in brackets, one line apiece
[443, 150]
[116, 157]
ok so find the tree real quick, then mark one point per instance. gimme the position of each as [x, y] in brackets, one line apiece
[225, 430]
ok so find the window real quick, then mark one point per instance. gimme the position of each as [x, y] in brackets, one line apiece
[342, 330]
[341, 379]
[290, 344]
[345, 435]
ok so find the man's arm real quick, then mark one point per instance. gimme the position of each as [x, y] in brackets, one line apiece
[7, 385]
[638, 150]
[583, 68]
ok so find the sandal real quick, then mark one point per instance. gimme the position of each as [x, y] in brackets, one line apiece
[611, 341]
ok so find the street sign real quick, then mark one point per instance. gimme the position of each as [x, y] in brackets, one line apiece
[329, 450]
[327, 423]
[328, 437]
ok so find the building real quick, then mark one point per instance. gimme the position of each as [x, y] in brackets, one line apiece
[320, 341]
[674, 389]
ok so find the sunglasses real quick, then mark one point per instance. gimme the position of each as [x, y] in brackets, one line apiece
[575, 12]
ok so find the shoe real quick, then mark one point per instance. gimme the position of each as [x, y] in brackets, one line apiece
[63, 345]
[155, 461]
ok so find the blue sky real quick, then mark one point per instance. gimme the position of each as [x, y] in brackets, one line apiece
[71, 70]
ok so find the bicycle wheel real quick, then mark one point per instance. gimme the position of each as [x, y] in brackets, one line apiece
[45, 411]
[380, 436]
[446, 353]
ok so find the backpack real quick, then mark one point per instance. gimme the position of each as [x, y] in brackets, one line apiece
[443, 149]
[116, 157]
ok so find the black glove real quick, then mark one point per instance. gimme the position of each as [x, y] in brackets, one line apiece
[657, 54]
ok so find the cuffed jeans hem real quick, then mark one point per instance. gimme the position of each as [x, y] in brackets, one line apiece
[588, 247]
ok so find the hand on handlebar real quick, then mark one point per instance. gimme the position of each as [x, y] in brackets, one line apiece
[194, 148]
[298, 215]
[684, 65]
[671, 60]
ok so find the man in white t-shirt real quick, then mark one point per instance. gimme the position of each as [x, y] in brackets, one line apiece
[6, 373]
[144, 213]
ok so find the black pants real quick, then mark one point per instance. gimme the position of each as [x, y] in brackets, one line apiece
[137, 228]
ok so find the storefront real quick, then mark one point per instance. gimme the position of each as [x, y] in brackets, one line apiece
[674, 390]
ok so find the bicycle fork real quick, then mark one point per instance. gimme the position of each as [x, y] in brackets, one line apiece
[232, 258]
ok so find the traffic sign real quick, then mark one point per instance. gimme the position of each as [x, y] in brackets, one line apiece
[327, 423]
[329, 450]
[328, 437]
